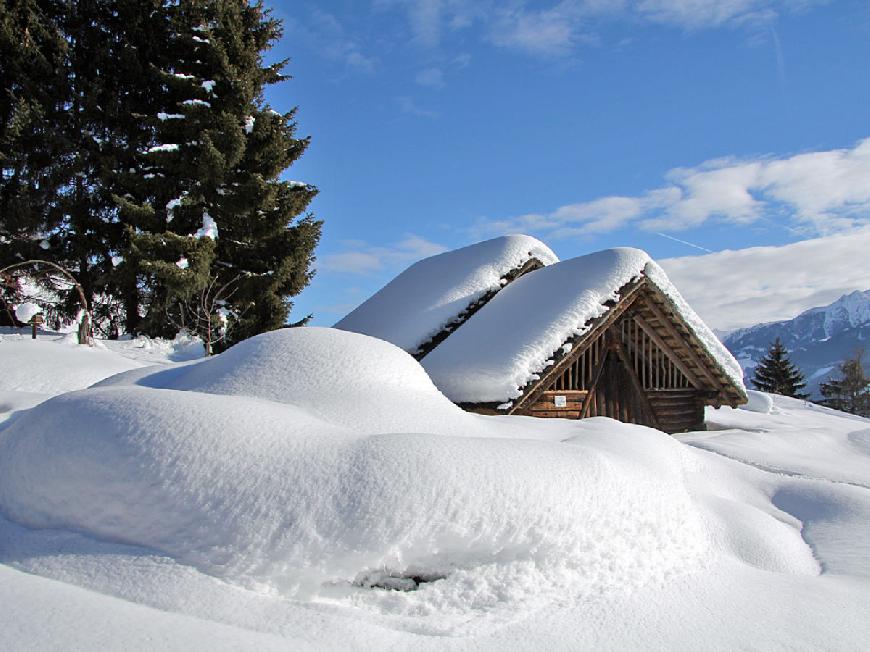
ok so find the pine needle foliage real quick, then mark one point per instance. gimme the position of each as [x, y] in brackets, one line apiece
[850, 391]
[776, 374]
[139, 152]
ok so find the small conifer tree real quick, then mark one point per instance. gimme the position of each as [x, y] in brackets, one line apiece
[777, 374]
[851, 391]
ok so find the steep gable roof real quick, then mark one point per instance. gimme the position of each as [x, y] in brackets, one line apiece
[505, 347]
[429, 300]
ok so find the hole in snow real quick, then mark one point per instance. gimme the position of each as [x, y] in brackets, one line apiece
[394, 580]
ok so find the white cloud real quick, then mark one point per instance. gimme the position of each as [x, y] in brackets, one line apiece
[735, 288]
[363, 258]
[822, 192]
[550, 32]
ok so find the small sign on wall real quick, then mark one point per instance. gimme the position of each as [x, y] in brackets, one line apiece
[560, 401]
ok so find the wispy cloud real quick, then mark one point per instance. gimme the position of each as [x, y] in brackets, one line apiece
[362, 258]
[822, 193]
[549, 32]
[408, 106]
[324, 33]
[557, 28]
[432, 77]
[429, 19]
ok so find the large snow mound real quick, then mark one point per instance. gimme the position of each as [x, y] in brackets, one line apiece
[503, 346]
[345, 378]
[276, 497]
[256, 519]
[431, 293]
[242, 466]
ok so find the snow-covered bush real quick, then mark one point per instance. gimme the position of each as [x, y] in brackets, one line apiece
[26, 311]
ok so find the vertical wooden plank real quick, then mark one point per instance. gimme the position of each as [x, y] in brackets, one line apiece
[642, 355]
[634, 346]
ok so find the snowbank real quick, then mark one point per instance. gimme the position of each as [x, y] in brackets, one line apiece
[51, 365]
[228, 499]
[431, 293]
[243, 466]
[795, 437]
[504, 345]
[758, 402]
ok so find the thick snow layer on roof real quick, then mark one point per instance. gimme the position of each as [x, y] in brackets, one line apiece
[426, 297]
[507, 343]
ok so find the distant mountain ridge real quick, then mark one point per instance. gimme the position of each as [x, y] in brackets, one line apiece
[818, 339]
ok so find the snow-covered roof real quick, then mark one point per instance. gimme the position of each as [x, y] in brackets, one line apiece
[428, 296]
[505, 345]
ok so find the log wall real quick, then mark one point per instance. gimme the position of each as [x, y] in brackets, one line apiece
[678, 410]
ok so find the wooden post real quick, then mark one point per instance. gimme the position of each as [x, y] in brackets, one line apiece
[35, 321]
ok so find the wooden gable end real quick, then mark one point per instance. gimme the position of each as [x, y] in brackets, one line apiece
[638, 363]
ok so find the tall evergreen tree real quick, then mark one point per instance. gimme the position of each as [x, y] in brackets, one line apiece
[34, 155]
[55, 192]
[851, 391]
[776, 374]
[211, 209]
[158, 171]
[32, 97]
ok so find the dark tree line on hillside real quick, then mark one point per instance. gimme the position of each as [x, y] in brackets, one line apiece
[138, 152]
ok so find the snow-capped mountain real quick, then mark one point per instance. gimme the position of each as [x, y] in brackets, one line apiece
[818, 339]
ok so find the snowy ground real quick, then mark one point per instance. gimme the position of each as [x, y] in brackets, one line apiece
[261, 498]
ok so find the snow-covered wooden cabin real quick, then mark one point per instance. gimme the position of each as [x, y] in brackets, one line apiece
[600, 335]
[419, 308]
[605, 334]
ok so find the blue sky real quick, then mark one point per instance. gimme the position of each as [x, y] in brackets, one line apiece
[678, 126]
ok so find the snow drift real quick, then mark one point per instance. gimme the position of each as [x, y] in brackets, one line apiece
[245, 465]
[260, 519]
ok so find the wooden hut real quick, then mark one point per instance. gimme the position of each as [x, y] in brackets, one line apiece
[601, 335]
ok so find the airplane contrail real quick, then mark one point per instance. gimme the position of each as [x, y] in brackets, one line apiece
[689, 244]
